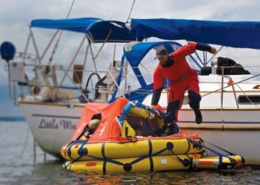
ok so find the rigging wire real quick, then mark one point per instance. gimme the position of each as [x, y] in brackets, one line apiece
[58, 41]
[129, 16]
[70, 9]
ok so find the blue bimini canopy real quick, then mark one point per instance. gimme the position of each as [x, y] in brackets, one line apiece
[240, 34]
[99, 30]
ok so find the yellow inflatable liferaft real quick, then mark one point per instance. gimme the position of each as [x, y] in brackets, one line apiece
[81, 150]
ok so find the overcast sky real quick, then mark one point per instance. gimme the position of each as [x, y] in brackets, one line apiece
[16, 14]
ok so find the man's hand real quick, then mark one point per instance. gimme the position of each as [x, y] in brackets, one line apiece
[213, 50]
[155, 110]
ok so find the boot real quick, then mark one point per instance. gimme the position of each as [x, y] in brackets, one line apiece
[171, 128]
[198, 116]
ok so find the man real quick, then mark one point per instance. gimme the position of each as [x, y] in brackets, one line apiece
[182, 77]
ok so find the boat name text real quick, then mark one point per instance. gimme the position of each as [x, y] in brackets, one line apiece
[56, 124]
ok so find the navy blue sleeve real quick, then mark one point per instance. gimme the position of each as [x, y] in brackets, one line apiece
[203, 47]
[156, 96]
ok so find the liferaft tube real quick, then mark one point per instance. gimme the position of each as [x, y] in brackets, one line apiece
[161, 146]
[146, 163]
[156, 163]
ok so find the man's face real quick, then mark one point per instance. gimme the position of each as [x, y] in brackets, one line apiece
[162, 59]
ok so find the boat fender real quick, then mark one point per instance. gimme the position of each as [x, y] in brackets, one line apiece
[7, 50]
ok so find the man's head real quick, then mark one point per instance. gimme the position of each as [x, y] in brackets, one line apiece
[161, 52]
[162, 55]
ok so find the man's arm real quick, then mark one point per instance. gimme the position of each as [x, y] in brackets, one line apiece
[191, 47]
[206, 47]
[156, 96]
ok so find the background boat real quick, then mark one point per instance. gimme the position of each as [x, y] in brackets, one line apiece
[50, 85]
[230, 112]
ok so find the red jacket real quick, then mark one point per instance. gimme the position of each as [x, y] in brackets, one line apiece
[178, 70]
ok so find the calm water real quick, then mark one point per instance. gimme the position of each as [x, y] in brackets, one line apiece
[17, 167]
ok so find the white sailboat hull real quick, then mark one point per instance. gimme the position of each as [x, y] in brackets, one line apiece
[235, 130]
[52, 124]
